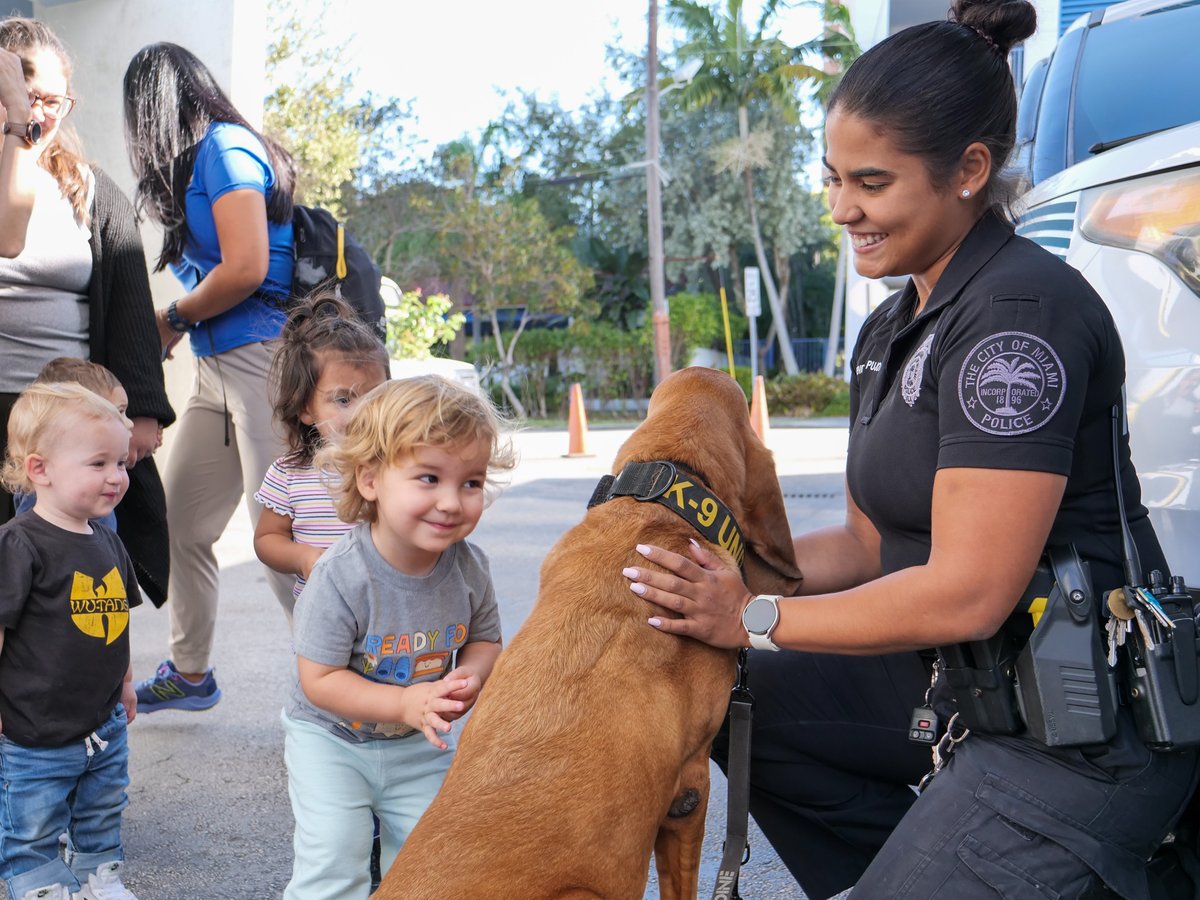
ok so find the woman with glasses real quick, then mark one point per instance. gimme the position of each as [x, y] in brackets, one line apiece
[73, 276]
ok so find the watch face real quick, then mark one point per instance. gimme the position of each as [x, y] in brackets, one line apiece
[760, 616]
[31, 131]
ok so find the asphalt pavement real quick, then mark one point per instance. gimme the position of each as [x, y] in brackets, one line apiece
[209, 817]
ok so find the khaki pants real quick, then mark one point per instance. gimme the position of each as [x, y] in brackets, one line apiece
[204, 481]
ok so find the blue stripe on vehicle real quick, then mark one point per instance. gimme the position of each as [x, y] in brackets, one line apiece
[1049, 242]
[1031, 225]
[1049, 209]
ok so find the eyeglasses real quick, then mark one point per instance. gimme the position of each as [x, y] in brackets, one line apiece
[57, 106]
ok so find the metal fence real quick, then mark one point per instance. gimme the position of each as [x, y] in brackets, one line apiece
[810, 353]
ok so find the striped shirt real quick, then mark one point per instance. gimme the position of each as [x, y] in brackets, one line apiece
[299, 493]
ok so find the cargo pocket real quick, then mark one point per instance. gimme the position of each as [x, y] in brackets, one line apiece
[998, 873]
[1120, 869]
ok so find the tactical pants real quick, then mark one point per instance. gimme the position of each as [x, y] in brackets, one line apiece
[831, 769]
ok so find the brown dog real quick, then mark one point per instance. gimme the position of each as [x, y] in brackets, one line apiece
[588, 749]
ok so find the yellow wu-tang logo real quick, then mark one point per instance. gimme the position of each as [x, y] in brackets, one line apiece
[100, 612]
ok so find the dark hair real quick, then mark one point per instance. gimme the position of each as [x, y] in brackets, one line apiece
[171, 99]
[321, 323]
[62, 158]
[941, 86]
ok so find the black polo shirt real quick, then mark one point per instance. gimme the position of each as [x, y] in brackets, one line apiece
[1015, 363]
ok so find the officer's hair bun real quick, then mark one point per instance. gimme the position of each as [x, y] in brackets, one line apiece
[1003, 23]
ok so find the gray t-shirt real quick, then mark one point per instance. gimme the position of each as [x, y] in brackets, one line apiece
[359, 612]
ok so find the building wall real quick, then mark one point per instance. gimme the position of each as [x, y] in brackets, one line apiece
[102, 36]
[1042, 43]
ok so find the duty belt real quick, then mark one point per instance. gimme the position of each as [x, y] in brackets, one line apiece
[661, 481]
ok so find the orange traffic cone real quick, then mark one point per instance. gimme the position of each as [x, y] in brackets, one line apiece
[758, 409]
[577, 425]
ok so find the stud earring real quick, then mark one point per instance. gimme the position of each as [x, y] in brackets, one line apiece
[966, 193]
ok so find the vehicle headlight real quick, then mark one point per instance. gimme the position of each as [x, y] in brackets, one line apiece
[1159, 215]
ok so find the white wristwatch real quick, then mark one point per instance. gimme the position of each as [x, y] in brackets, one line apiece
[759, 618]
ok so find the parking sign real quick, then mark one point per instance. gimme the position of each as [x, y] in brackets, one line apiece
[751, 282]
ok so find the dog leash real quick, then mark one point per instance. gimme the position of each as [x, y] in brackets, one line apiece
[737, 808]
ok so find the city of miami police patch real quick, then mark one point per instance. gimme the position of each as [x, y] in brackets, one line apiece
[1011, 383]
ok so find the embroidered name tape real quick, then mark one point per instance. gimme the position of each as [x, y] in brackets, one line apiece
[1011, 383]
[661, 482]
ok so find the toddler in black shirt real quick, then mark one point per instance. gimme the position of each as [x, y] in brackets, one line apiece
[65, 677]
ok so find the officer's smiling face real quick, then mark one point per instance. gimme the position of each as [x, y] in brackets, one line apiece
[899, 222]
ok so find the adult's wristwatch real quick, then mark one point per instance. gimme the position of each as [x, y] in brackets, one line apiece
[30, 132]
[177, 322]
[759, 618]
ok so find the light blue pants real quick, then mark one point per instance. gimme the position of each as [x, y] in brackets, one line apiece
[335, 786]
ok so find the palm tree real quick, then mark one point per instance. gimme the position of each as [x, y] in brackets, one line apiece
[737, 68]
[835, 47]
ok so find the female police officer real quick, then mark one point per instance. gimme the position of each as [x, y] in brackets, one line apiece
[980, 409]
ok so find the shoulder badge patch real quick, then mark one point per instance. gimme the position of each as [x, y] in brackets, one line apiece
[1011, 383]
[910, 383]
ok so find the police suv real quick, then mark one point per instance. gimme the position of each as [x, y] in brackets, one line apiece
[1109, 140]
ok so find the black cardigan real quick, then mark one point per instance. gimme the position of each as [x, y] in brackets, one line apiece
[123, 337]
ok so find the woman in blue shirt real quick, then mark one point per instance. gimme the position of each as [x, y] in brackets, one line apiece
[222, 193]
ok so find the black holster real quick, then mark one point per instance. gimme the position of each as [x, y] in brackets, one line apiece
[1065, 688]
[1045, 671]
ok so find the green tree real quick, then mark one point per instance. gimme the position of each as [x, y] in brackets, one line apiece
[513, 264]
[704, 213]
[416, 324]
[697, 323]
[738, 67]
[621, 289]
[394, 220]
[332, 131]
[835, 48]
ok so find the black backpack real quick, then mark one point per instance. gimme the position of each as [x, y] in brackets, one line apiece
[324, 253]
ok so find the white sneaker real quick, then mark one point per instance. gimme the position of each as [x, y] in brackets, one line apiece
[105, 884]
[49, 892]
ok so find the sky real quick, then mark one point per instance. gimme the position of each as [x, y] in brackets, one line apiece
[450, 57]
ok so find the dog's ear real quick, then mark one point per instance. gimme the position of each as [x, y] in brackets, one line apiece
[770, 561]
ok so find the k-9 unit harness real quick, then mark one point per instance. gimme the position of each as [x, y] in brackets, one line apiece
[672, 485]
[1064, 660]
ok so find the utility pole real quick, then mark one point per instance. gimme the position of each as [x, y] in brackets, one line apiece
[658, 288]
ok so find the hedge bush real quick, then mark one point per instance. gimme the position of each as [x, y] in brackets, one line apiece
[806, 394]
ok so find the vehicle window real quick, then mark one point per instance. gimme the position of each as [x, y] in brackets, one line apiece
[1027, 108]
[1137, 76]
[1031, 95]
[1053, 116]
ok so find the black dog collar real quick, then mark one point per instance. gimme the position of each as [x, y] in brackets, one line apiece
[661, 482]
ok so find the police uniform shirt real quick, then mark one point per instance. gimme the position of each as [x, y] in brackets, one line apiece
[1015, 363]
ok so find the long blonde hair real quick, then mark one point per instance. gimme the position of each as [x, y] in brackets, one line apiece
[63, 158]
